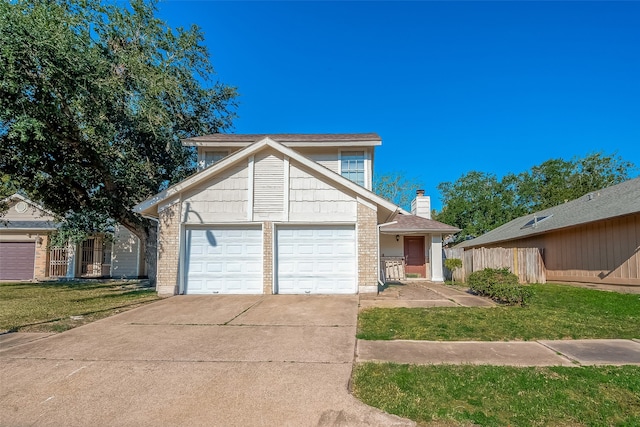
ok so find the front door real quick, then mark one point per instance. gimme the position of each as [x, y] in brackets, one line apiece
[414, 256]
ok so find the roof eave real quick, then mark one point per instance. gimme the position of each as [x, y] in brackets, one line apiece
[425, 230]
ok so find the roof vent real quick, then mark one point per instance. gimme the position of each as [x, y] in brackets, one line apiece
[589, 196]
[535, 221]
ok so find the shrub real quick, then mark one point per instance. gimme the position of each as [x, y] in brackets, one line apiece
[452, 264]
[500, 285]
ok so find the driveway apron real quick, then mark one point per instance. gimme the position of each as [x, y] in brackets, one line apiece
[194, 361]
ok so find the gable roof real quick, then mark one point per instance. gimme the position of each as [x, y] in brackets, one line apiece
[407, 224]
[288, 139]
[618, 200]
[150, 205]
[27, 224]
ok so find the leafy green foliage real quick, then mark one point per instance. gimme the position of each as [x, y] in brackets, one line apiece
[554, 312]
[452, 264]
[94, 99]
[479, 202]
[503, 395]
[396, 187]
[476, 202]
[500, 285]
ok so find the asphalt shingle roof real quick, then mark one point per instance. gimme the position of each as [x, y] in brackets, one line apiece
[415, 224]
[286, 137]
[618, 200]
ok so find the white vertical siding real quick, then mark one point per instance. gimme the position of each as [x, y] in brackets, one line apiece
[125, 254]
[268, 186]
[224, 198]
[313, 200]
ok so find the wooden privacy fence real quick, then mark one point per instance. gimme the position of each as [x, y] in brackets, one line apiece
[526, 263]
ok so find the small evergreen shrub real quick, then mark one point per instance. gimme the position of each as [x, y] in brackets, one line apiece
[452, 264]
[500, 285]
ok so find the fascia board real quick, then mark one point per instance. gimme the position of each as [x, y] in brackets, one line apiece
[235, 144]
[414, 231]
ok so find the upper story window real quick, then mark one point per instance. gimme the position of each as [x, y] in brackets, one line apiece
[211, 157]
[352, 166]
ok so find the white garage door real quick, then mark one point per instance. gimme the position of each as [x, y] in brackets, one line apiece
[316, 260]
[222, 260]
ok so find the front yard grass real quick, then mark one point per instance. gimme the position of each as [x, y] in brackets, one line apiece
[555, 312]
[503, 396]
[58, 306]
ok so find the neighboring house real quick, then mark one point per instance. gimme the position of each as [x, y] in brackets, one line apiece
[26, 253]
[593, 239]
[281, 213]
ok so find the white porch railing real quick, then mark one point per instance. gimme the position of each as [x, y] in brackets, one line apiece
[392, 268]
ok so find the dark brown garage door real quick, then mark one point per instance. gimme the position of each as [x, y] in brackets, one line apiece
[16, 260]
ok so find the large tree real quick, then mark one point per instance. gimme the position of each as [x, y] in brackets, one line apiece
[479, 202]
[94, 99]
[476, 202]
[397, 187]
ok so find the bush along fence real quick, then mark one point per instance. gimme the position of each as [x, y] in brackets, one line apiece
[500, 285]
[526, 263]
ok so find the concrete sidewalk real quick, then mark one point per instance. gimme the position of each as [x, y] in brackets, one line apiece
[422, 294]
[513, 353]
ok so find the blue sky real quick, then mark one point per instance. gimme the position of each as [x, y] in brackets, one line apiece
[450, 87]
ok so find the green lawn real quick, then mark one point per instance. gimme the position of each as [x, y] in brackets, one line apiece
[555, 312]
[46, 307]
[503, 396]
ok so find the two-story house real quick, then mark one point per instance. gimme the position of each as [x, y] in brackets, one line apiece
[286, 214]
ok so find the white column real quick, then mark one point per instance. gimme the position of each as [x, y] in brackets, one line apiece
[436, 258]
[71, 260]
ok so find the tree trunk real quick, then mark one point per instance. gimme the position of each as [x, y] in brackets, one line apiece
[147, 232]
[151, 252]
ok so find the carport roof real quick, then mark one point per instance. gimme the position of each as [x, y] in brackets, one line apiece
[407, 224]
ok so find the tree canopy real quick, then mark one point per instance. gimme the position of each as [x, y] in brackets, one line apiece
[396, 187]
[94, 99]
[478, 202]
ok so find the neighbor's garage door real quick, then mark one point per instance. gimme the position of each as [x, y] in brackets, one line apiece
[17, 260]
[316, 259]
[224, 260]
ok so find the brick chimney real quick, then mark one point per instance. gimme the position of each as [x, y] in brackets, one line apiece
[421, 205]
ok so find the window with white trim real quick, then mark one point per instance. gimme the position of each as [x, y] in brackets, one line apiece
[352, 166]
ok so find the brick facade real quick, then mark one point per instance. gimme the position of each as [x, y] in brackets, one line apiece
[168, 250]
[267, 257]
[367, 249]
[41, 264]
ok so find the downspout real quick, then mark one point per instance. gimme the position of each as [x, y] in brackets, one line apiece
[378, 253]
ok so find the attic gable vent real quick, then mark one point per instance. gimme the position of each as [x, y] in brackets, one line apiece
[535, 221]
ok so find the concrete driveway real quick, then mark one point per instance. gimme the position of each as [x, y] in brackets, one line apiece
[193, 361]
